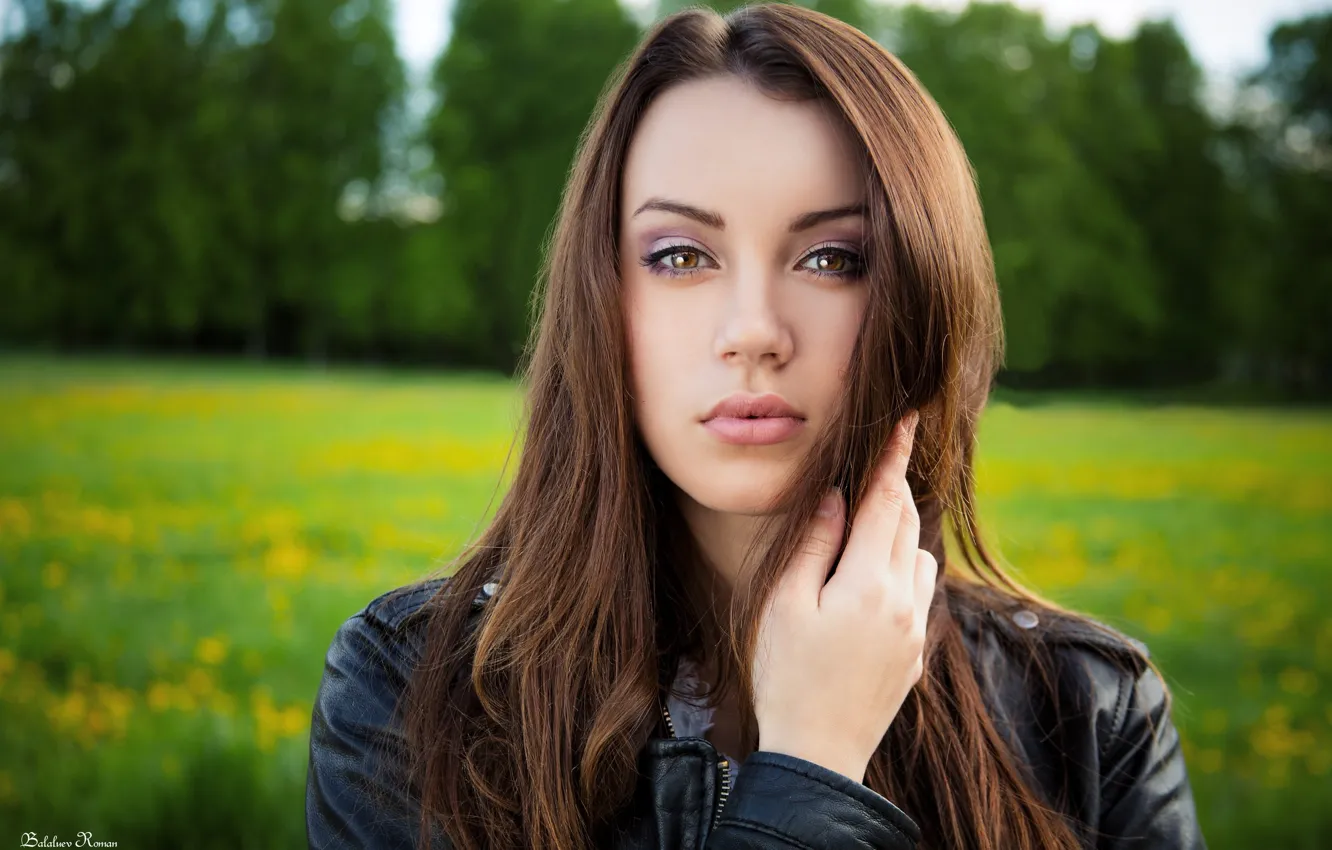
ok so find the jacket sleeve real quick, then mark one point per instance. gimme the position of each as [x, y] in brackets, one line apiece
[780, 801]
[1146, 798]
[356, 792]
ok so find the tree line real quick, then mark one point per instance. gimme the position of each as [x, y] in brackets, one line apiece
[247, 176]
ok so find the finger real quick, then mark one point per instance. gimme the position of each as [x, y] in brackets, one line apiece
[809, 567]
[927, 575]
[907, 542]
[877, 516]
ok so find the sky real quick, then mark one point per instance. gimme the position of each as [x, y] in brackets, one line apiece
[1227, 37]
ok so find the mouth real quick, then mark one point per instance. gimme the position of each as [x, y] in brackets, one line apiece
[754, 430]
[747, 407]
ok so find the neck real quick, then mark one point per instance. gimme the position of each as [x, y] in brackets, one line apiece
[723, 538]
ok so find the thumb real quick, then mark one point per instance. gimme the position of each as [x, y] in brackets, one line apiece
[814, 559]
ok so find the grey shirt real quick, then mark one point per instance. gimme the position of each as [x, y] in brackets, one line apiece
[690, 715]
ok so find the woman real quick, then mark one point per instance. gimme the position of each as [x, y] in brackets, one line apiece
[662, 640]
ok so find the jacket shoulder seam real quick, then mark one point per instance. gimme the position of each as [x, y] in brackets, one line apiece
[1123, 698]
[1018, 618]
[1078, 630]
[1087, 630]
[393, 608]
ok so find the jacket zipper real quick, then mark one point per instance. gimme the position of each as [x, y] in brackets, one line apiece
[670, 727]
[723, 766]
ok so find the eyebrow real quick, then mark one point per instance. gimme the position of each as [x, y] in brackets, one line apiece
[714, 220]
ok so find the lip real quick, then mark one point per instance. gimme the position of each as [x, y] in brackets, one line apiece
[745, 405]
[754, 432]
[751, 420]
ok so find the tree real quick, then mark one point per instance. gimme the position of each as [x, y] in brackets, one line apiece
[169, 179]
[96, 201]
[312, 101]
[1140, 124]
[1286, 157]
[1076, 279]
[516, 84]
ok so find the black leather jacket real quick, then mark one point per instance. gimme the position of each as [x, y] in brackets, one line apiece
[1117, 754]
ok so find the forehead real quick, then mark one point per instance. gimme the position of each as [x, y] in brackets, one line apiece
[723, 144]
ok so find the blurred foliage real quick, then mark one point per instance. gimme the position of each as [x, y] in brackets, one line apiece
[170, 182]
[179, 542]
[245, 175]
[515, 94]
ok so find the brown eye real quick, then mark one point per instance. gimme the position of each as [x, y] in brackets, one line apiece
[834, 262]
[684, 260]
[831, 263]
[678, 260]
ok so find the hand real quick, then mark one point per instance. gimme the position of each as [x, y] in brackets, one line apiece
[835, 661]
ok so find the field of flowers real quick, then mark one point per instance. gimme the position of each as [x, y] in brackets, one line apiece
[178, 543]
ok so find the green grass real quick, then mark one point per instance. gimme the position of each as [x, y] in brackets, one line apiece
[179, 540]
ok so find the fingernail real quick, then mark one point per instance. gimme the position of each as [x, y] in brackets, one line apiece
[913, 418]
[828, 507]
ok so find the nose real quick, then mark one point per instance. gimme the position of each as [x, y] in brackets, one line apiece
[753, 331]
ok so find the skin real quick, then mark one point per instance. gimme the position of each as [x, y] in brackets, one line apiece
[745, 304]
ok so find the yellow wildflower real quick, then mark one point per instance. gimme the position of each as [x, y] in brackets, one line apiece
[211, 650]
[54, 575]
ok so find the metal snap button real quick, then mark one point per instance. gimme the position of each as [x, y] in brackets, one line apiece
[1026, 619]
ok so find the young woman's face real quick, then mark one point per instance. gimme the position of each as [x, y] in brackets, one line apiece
[732, 285]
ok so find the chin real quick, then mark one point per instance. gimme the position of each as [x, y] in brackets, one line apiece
[746, 496]
[705, 475]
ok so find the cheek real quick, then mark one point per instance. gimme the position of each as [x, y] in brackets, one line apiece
[663, 328]
[668, 352]
[656, 352]
[844, 345]
[832, 338]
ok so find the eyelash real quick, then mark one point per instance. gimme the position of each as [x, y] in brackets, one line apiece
[651, 260]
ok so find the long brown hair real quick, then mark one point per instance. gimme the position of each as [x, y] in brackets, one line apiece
[525, 726]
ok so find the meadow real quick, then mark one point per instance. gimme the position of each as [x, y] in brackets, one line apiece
[179, 541]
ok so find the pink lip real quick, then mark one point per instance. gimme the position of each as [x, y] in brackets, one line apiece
[744, 405]
[753, 420]
[763, 431]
